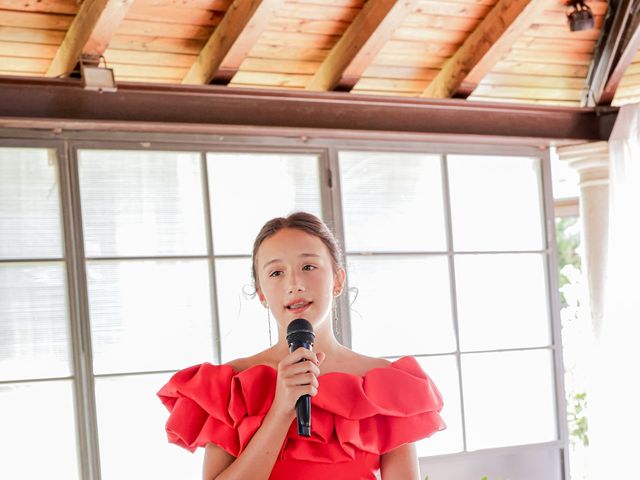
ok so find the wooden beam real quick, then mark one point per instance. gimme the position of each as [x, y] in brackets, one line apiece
[63, 103]
[484, 47]
[618, 46]
[360, 43]
[231, 41]
[89, 33]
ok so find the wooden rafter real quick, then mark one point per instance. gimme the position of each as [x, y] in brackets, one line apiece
[484, 47]
[618, 45]
[231, 41]
[89, 33]
[360, 43]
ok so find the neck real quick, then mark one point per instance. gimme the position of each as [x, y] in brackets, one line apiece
[325, 341]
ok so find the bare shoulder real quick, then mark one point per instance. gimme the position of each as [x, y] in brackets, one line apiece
[360, 364]
[240, 364]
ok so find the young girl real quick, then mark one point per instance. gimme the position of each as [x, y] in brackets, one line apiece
[366, 412]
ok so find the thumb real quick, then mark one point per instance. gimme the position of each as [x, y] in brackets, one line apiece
[321, 356]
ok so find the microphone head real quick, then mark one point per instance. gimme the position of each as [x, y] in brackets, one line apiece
[300, 332]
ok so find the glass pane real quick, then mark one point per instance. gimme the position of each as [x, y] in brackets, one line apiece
[38, 437]
[392, 202]
[244, 322]
[149, 315]
[402, 305]
[133, 441]
[502, 301]
[248, 189]
[444, 373]
[508, 398]
[34, 322]
[496, 203]
[30, 218]
[137, 203]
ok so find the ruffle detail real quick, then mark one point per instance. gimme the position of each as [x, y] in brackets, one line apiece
[387, 407]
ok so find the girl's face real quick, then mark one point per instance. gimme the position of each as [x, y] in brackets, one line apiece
[296, 277]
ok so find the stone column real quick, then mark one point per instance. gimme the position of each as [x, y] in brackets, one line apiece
[591, 161]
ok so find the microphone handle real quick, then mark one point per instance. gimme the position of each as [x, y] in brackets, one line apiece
[303, 404]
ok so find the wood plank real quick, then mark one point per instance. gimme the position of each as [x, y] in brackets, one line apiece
[408, 60]
[220, 5]
[502, 91]
[419, 20]
[429, 35]
[31, 35]
[415, 73]
[568, 58]
[525, 101]
[35, 20]
[280, 66]
[317, 12]
[541, 69]
[359, 45]
[126, 78]
[89, 33]
[143, 43]
[277, 52]
[560, 32]
[533, 81]
[165, 30]
[270, 79]
[484, 47]
[148, 58]
[324, 27]
[421, 48]
[68, 7]
[627, 52]
[30, 50]
[24, 65]
[174, 14]
[232, 40]
[553, 45]
[288, 39]
[630, 80]
[391, 84]
[377, 93]
[147, 71]
[449, 9]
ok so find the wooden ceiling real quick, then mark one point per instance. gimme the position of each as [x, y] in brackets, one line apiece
[518, 51]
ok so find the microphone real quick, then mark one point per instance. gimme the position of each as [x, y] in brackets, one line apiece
[300, 334]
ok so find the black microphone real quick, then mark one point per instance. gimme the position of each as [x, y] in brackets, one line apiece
[300, 334]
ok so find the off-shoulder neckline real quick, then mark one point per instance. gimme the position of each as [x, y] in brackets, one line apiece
[347, 374]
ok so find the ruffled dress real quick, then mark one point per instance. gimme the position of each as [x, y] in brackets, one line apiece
[355, 419]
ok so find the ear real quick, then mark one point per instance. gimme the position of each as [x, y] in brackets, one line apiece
[261, 296]
[339, 278]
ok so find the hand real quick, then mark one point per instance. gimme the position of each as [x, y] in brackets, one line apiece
[296, 378]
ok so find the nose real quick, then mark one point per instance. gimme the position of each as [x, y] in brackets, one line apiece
[295, 285]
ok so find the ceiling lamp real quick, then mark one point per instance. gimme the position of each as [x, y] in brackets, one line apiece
[580, 16]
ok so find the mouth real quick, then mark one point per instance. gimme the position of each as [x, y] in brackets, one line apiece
[298, 306]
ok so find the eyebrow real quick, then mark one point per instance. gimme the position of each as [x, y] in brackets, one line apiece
[302, 255]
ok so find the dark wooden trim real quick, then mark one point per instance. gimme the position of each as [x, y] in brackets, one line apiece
[610, 50]
[65, 99]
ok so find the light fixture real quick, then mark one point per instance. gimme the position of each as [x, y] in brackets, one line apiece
[97, 78]
[580, 16]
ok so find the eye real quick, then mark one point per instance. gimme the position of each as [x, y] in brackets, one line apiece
[309, 267]
[275, 273]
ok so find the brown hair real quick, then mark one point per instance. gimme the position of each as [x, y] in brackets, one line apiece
[305, 222]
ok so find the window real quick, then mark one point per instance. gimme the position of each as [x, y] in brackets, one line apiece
[154, 256]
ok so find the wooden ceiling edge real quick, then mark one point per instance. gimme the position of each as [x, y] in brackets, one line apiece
[623, 61]
[44, 99]
[608, 48]
[482, 49]
[89, 33]
[231, 41]
[359, 44]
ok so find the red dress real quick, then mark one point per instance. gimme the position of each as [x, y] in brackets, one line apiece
[355, 419]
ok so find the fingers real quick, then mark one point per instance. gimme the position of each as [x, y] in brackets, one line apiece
[301, 354]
